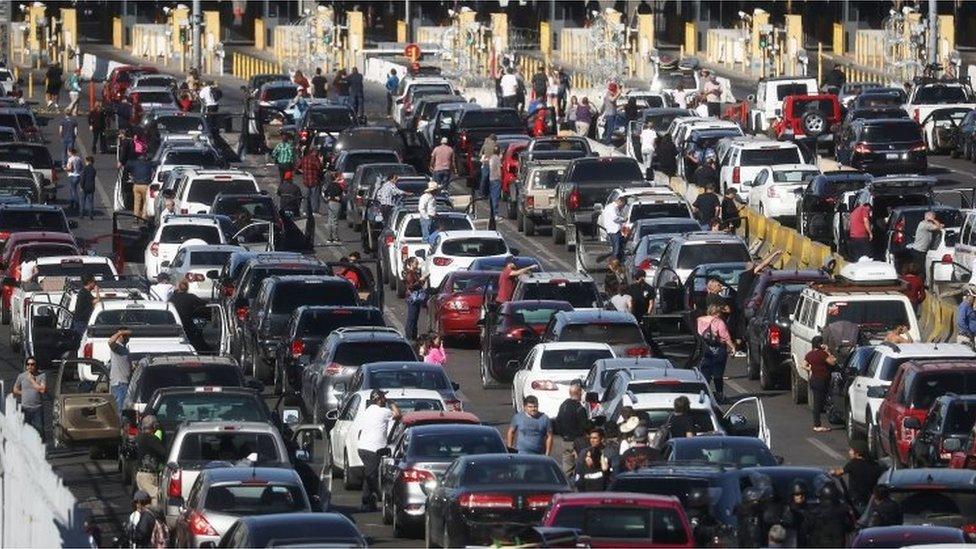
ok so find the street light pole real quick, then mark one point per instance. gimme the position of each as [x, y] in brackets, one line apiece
[195, 20]
[933, 45]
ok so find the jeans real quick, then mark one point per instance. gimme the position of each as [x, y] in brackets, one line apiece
[332, 220]
[413, 315]
[312, 199]
[65, 145]
[389, 103]
[98, 140]
[494, 195]
[343, 100]
[425, 227]
[74, 200]
[713, 367]
[818, 390]
[371, 476]
[118, 391]
[358, 104]
[484, 180]
[34, 416]
[73, 105]
[609, 127]
[443, 178]
[617, 245]
[87, 204]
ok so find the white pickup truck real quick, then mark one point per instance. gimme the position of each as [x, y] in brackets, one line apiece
[939, 107]
[768, 101]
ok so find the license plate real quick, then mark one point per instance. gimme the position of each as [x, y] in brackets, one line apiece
[892, 156]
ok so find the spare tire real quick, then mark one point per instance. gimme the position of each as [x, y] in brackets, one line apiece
[814, 124]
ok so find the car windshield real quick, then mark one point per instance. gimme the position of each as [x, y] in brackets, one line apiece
[291, 296]
[135, 317]
[188, 376]
[204, 158]
[179, 124]
[474, 247]
[787, 304]
[690, 257]
[618, 333]
[670, 228]
[512, 472]
[255, 498]
[938, 506]
[794, 177]
[32, 252]
[155, 97]
[657, 525]
[770, 156]
[435, 380]
[322, 323]
[930, 386]
[530, 316]
[417, 404]
[360, 352]
[547, 178]
[579, 294]
[200, 448]
[572, 359]
[451, 445]
[37, 157]
[449, 223]
[75, 269]
[209, 405]
[751, 455]
[939, 94]
[490, 119]
[679, 487]
[660, 209]
[262, 208]
[895, 132]
[875, 315]
[605, 170]
[279, 93]
[330, 118]
[178, 234]
[701, 420]
[204, 191]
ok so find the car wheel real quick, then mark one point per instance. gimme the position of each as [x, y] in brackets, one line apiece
[853, 433]
[954, 152]
[391, 277]
[387, 515]
[398, 530]
[348, 480]
[798, 388]
[528, 226]
[446, 540]
[428, 536]
[512, 209]
[874, 443]
[519, 218]
[969, 151]
[766, 381]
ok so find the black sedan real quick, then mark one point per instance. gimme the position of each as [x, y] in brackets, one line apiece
[902, 536]
[293, 530]
[510, 334]
[486, 498]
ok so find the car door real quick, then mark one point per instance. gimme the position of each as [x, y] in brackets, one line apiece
[44, 339]
[312, 443]
[389, 465]
[752, 411]
[214, 331]
[343, 425]
[520, 379]
[863, 364]
[256, 237]
[83, 411]
[130, 235]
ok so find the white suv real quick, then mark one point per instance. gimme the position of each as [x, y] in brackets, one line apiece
[456, 250]
[741, 160]
[549, 369]
[196, 190]
[174, 232]
[773, 192]
[409, 238]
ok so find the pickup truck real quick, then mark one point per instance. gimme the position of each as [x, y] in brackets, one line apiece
[470, 131]
[927, 98]
[586, 183]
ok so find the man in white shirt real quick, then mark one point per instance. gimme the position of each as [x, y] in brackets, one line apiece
[372, 427]
[162, 289]
[713, 95]
[427, 207]
[509, 85]
[612, 221]
[208, 99]
[647, 138]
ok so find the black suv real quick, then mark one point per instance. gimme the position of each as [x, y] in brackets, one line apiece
[885, 145]
[815, 208]
[883, 194]
[768, 335]
[267, 319]
[950, 417]
[940, 497]
[321, 123]
[308, 328]
[16, 218]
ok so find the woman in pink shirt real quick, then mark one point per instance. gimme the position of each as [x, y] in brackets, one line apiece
[435, 351]
[717, 345]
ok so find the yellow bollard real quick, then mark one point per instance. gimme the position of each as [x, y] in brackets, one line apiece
[30, 84]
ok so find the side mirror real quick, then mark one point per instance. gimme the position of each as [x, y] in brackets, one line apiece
[877, 392]
[332, 415]
[751, 98]
[302, 455]
[952, 445]
[422, 254]
[213, 274]
[912, 423]
[592, 397]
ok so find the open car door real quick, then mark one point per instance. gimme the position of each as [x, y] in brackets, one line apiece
[747, 418]
[83, 412]
[130, 236]
[369, 287]
[290, 238]
[962, 198]
[673, 337]
[255, 237]
[214, 335]
[312, 444]
[48, 335]
[119, 201]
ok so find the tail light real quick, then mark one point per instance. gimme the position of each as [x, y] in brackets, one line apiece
[154, 249]
[736, 175]
[862, 148]
[297, 348]
[416, 475]
[970, 529]
[774, 336]
[486, 501]
[443, 261]
[518, 333]
[175, 488]
[530, 202]
[199, 525]
[573, 200]
[544, 385]
[640, 351]
[303, 135]
[88, 350]
[388, 240]
[645, 265]
[918, 147]
[403, 252]
[241, 313]
[131, 430]
[454, 405]
[539, 501]
[4, 235]
[333, 369]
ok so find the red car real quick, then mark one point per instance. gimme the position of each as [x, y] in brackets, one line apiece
[618, 519]
[456, 308]
[808, 116]
[510, 163]
[119, 79]
[911, 394]
[28, 246]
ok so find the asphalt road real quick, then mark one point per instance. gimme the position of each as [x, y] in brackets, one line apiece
[97, 485]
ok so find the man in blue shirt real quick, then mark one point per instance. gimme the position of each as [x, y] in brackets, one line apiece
[966, 319]
[392, 83]
[530, 431]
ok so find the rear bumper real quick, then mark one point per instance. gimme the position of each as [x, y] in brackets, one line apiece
[876, 164]
[453, 324]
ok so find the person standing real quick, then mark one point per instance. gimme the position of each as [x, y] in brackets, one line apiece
[818, 363]
[648, 138]
[290, 196]
[333, 206]
[860, 234]
[507, 279]
[189, 306]
[612, 219]
[494, 186]
[30, 387]
[563, 91]
[966, 319]
[570, 113]
[862, 473]
[299, 80]
[679, 424]
[610, 111]
[713, 95]
[415, 283]
[73, 166]
[640, 454]
[706, 206]
[319, 84]
[642, 296]
[828, 523]
[386, 196]
[509, 84]
[571, 423]
[85, 302]
[584, 117]
[427, 208]
[730, 210]
[594, 466]
[74, 92]
[123, 114]
[491, 142]
[717, 347]
[392, 85]
[621, 300]
[530, 431]
[341, 86]
[371, 427]
[87, 182]
[924, 234]
[68, 132]
[96, 124]
[121, 366]
[310, 166]
[539, 82]
[140, 172]
[210, 97]
[152, 455]
[356, 91]
[442, 164]
[284, 156]
[53, 80]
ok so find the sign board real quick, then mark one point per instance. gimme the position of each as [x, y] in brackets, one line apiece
[412, 52]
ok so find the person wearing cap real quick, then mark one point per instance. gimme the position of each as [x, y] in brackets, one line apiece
[595, 464]
[966, 318]
[795, 512]
[427, 208]
[371, 427]
[860, 233]
[442, 163]
[151, 455]
[641, 453]
[571, 423]
[162, 290]
[121, 366]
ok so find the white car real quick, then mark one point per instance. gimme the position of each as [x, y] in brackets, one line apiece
[743, 158]
[774, 191]
[455, 250]
[197, 189]
[344, 437]
[193, 263]
[152, 97]
[176, 231]
[408, 238]
[401, 103]
[549, 368]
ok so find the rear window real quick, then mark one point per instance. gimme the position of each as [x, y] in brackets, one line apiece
[670, 80]
[559, 145]
[444, 445]
[660, 209]
[701, 420]
[433, 380]
[513, 472]
[604, 332]
[468, 283]
[76, 269]
[487, 118]
[279, 93]
[30, 253]
[160, 80]
[928, 387]
[939, 506]
[891, 133]
[179, 124]
[474, 247]
[770, 156]
[659, 525]
[572, 359]
[256, 208]
[960, 418]
[547, 179]
[135, 317]
[874, 316]
[785, 90]
[187, 376]
[450, 223]
[38, 157]
[353, 161]
[155, 97]
[678, 487]
[787, 304]
[204, 158]
[209, 258]
[209, 406]
[930, 95]
[330, 118]
[690, 257]
[530, 317]
[14, 221]
[670, 228]
[255, 498]
[357, 353]
[795, 177]
[606, 170]
[178, 234]
[200, 448]
[323, 324]
[204, 191]
[258, 276]
[665, 386]
[578, 294]
[292, 295]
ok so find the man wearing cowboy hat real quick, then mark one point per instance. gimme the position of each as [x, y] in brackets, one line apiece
[427, 207]
[626, 432]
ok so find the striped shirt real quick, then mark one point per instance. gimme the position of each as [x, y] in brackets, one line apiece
[283, 153]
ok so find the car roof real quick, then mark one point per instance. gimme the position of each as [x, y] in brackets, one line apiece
[443, 416]
[211, 248]
[280, 475]
[704, 237]
[144, 304]
[552, 276]
[368, 333]
[572, 345]
[587, 317]
[925, 350]
[193, 219]
[537, 303]
[615, 499]
[58, 259]
[928, 478]
[450, 428]
[448, 235]
[142, 89]
[218, 426]
[946, 365]
[711, 441]
[402, 392]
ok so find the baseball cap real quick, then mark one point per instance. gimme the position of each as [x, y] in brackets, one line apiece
[640, 434]
[140, 496]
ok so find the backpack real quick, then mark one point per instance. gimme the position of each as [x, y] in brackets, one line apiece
[139, 145]
[713, 342]
[160, 534]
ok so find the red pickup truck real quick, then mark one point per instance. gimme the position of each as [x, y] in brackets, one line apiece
[911, 394]
[618, 519]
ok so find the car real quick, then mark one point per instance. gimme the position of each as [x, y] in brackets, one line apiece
[579, 290]
[144, 98]
[882, 194]
[617, 329]
[403, 105]
[807, 117]
[379, 138]
[815, 207]
[366, 180]
[929, 100]
[388, 375]
[457, 307]
[883, 146]
[661, 119]
[740, 161]
[497, 264]
[196, 154]
[178, 370]
[37, 156]
[765, 279]
[194, 262]
[951, 417]
[910, 536]
[549, 368]
[774, 192]
[739, 451]
[119, 80]
[345, 434]
[868, 113]
[700, 139]
[313, 529]
[768, 334]
[658, 226]
[455, 250]
[197, 444]
[197, 188]
[442, 123]
[651, 392]
[24, 246]
[509, 333]
[321, 124]
[249, 208]
[16, 218]
[342, 168]
[408, 238]
[770, 95]
[421, 454]
[903, 222]
[536, 193]
[484, 498]
[962, 137]
[341, 355]
[935, 497]
[174, 232]
[602, 371]
[647, 252]
[426, 109]
[683, 253]
[155, 326]
[618, 519]
[223, 494]
[23, 121]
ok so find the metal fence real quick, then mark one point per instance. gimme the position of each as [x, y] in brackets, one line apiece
[36, 510]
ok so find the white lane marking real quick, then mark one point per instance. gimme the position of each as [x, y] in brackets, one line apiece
[822, 446]
[735, 385]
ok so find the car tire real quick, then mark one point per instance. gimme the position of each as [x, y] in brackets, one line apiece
[401, 288]
[387, 515]
[798, 388]
[893, 454]
[558, 234]
[399, 529]
[814, 124]
[512, 208]
[528, 226]
[519, 218]
[752, 365]
[349, 480]
[874, 444]
[766, 380]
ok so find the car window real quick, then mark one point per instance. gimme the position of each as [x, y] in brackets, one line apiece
[449, 222]
[659, 525]
[930, 386]
[577, 294]
[209, 257]
[350, 409]
[602, 171]
[204, 158]
[474, 247]
[571, 359]
[770, 157]
[417, 404]
[75, 270]
[444, 445]
[411, 379]
[291, 296]
[255, 498]
[179, 124]
[205, 190]
[604, 332]
[12, 221]
[154, 97]
[874, 316]
[136, 317]
[507, 472]
[691, 256]
[208, 406]
[200, 448]
[356, 353]
[178, 234]
[187, 376]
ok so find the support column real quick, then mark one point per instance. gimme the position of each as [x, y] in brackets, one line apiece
[354, 20]
[69, 35]
[259, 34]
[645, 43]
[691, 39]
[947, 37]
[401, 31]
[760, 18]
[794, 43]
[545, 41]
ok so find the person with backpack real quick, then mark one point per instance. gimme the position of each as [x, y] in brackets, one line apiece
[144, 528]
[717, 347]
